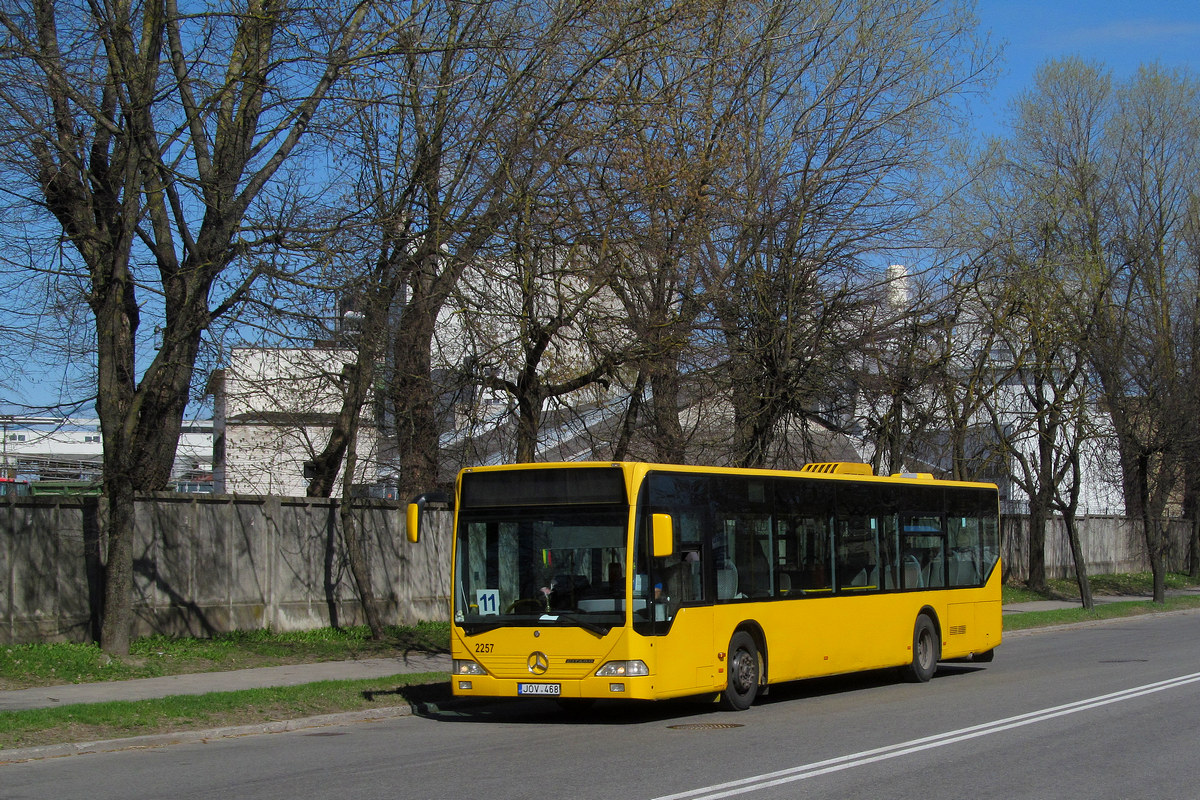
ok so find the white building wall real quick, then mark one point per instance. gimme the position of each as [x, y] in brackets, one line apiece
[33, 448]
[277, 408]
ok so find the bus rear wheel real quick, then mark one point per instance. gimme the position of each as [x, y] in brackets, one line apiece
[744, 668]
[926, 651]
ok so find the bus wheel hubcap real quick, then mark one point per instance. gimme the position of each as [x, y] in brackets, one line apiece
[743, 671]
[925, 650]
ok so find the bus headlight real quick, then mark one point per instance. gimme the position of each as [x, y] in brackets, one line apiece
[464, 666]
[623, 669]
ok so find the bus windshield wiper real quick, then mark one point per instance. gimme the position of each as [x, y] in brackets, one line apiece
[593, 627]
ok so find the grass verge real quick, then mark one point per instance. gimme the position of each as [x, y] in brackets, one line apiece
[1068, 616]
[1123, 584]
[101, 721]
[25, 666]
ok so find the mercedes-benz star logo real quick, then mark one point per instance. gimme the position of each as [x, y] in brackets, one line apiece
[538, 662]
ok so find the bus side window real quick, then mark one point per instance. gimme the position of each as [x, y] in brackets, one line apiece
[857, 554]
[786, 561]
[990, 539]
[964, 550]
[679, 578]
[923, 552]
[974, 537]
[814, 556]
[751, 545]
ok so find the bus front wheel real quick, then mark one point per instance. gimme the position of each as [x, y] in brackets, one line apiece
[744, 670]
[926, 651]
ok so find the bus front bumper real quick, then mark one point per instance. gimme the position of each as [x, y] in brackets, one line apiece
[635, 688]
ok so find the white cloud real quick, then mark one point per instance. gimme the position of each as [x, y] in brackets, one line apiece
[1136, 31]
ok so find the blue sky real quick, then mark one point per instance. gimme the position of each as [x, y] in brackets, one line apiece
[1121, 35]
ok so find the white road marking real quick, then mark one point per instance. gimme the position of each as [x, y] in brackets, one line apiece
[805, 771]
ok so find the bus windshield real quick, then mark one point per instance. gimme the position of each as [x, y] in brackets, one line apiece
[541, 566]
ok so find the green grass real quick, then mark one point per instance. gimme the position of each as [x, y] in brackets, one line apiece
[31, 665]
[1125, 584]
[114, 720]
[1069, 616]
[23, 666]
[1128, 583]
[1019, 594]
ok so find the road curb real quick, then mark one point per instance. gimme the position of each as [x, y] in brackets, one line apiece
[181, 737]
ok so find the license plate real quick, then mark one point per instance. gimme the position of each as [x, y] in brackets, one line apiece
[552, 689]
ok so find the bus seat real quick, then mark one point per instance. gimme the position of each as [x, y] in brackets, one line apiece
[727, 580]
[912, 572]
[935, 572]
[867, 576]
[783, 583]
[963, 571]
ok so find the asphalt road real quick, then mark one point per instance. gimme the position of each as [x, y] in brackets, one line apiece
[1107, 710]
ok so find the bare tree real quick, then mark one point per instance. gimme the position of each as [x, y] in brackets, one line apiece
[1040, 412]
[753, 196]
[1103, 185]
[848, 112]
[542, 326]
[1189, 300]
[153, 136]
[901, 362]
[1154, 138]
[1037, 213]
[463, 126]
[671, 114]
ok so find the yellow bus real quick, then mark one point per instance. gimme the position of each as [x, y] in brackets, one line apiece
[580, 581]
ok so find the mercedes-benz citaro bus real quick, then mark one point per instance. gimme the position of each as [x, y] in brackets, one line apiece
[580, 581]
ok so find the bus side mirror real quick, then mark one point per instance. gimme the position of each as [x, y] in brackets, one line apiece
[429, 501]
[662, 535]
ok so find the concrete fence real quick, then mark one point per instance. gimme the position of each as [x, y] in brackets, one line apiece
[206, 564]
[1109, 544]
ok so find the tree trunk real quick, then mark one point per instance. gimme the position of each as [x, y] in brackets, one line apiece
[412, 398]
[343, 446]
[117, 623]
[1154, 540]
[630, 419]
[529, 414]
[1081, 576]
[357, 378]
[754, 417]
[1038, 513]
[360, 566]
[666, 434]
[1191, 511]
[1194, 549]
[116, 326]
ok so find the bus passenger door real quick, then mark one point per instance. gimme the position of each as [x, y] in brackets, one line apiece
[683, 621]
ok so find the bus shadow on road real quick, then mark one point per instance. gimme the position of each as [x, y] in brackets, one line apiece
[633, 712]
[544, 712]
[856, 682]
